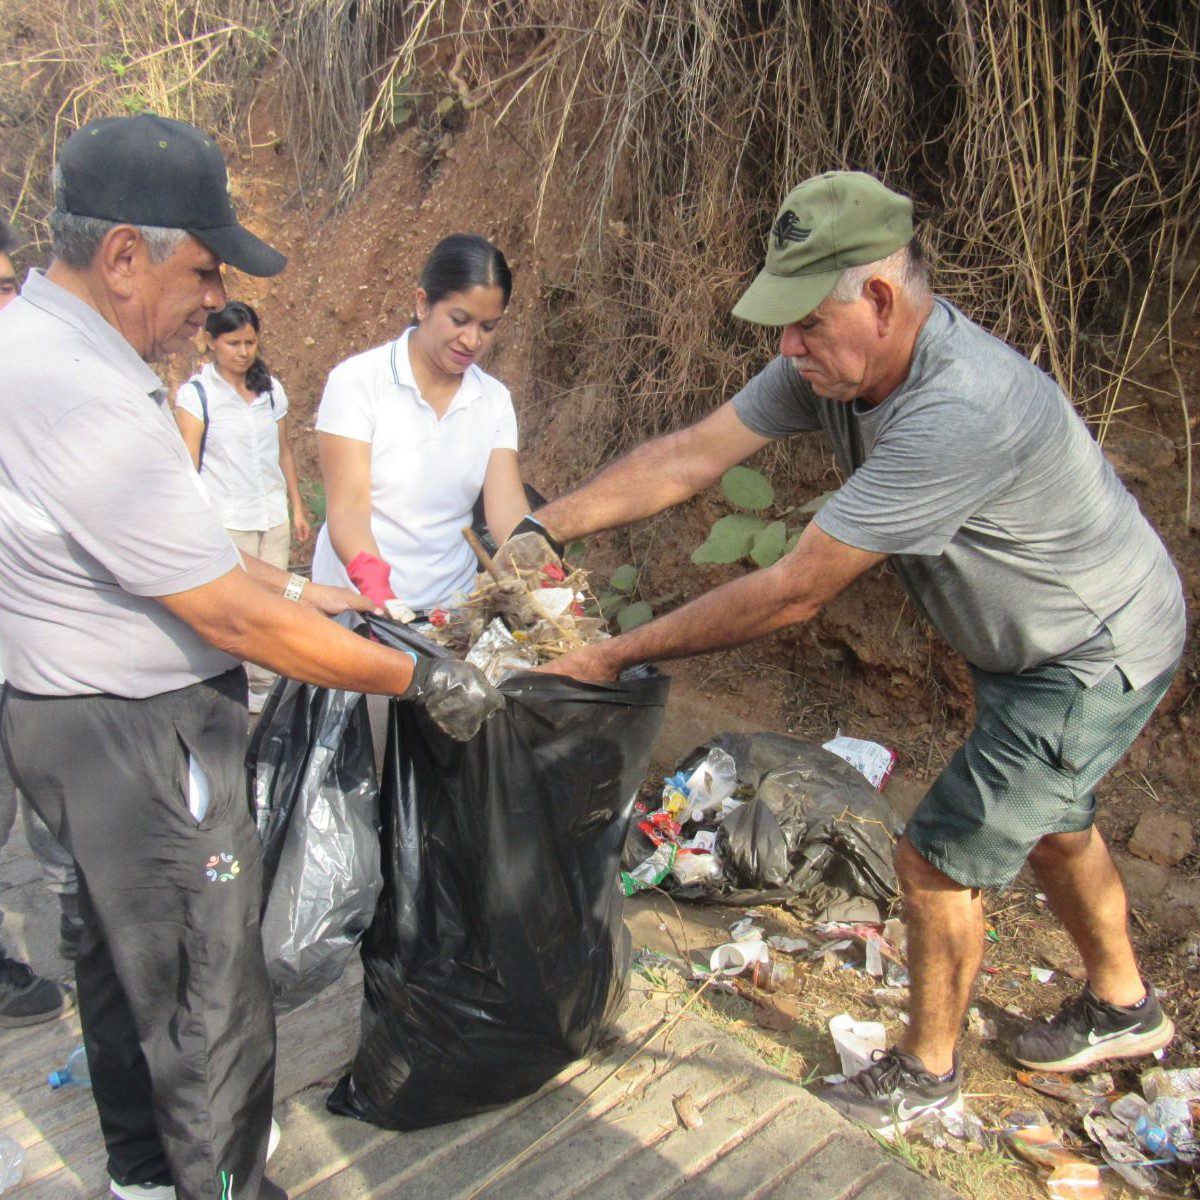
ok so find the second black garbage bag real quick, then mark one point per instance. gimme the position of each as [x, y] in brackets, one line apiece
[498, 953]
[311, 774]
[810, 832]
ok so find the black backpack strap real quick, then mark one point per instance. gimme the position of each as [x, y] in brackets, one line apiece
[204, 410]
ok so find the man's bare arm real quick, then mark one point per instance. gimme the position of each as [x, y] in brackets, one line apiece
[791, 591]
[237, 614]
[658, 474]
[322, 597]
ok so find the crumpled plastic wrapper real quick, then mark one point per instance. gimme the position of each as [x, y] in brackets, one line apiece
[498, 654]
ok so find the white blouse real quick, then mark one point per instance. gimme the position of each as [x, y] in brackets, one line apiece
[241, 452]
[426, 473]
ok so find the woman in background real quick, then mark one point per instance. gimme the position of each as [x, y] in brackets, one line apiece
[410, 433]
[233, 417]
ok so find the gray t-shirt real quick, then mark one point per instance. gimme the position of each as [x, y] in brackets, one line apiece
[1006, 523]
[100, 511]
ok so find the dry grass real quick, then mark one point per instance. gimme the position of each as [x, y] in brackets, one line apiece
[64, 62]
[331, 49]
[1051, 146]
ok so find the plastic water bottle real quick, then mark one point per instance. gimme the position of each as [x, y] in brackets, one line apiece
[12, 1161]
[1152, 1135]
[74, 1073]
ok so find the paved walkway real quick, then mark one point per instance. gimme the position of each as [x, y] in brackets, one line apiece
[609, 1127]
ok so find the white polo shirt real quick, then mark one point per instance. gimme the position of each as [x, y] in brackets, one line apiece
[241, 453]
[426, 473]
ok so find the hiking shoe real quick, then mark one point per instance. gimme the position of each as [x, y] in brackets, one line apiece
[166, 1191]
[1088, 1030]
[26, 998]
[892, 1093]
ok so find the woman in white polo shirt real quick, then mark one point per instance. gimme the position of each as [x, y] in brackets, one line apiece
[233, 416]
[410, 433]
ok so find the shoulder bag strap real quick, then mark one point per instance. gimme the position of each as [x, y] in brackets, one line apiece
[204, 410]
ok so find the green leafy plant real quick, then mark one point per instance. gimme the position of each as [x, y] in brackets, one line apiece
[312, 492]
[402, 101]
[759, 533]
[747, 488]
[618, 603]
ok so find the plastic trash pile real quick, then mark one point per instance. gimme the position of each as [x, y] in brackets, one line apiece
[1148, 1139]
[701, 800]
[526, 609]
[767, 818]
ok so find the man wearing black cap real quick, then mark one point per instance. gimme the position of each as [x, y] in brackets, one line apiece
[969, 470]
[125, 611]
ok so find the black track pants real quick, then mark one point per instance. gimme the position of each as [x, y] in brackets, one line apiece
[173, 992]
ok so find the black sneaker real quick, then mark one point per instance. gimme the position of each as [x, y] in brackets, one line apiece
[892, 1093]
[1088, 1030]
[26, 998]
[70, 927]
[70, 934]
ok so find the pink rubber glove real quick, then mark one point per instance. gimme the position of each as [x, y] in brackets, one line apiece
[372, 577]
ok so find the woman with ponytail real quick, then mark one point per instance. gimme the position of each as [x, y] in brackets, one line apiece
[233, 416]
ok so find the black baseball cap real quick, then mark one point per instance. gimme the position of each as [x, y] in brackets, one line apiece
[151, 170]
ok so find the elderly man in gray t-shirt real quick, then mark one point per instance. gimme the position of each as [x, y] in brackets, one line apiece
[969, 469]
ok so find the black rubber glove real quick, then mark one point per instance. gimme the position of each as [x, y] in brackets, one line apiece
[533, 525]
[456, 695]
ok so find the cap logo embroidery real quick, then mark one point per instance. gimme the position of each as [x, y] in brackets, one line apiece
[788, 229]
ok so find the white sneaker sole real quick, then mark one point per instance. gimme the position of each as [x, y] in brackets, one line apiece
[1128, 1045]
[141, 1191]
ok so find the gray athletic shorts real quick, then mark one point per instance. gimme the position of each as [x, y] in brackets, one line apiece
[1041, 743]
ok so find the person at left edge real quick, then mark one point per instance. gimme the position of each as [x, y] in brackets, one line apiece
[8, 273]
[124, 612]
[26, 998]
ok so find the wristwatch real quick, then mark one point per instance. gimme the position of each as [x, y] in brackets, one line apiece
[295, 587]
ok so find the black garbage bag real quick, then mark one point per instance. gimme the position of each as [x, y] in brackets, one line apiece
[812, 832]
[316, 800]
[498, 954]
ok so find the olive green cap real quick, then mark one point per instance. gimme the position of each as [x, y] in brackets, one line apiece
[830, 222]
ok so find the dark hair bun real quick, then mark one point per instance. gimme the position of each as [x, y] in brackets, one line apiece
[463, 261]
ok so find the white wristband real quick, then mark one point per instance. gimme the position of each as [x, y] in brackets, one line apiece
[295, 587]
